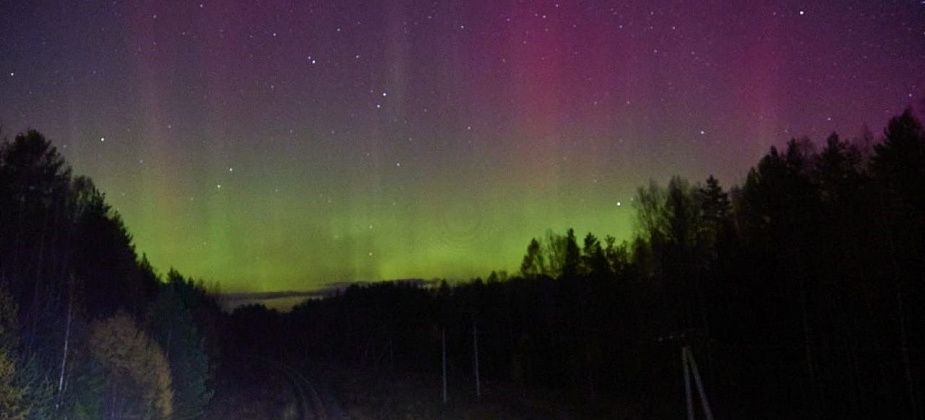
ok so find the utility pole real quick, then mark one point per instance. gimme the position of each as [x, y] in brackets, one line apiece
[689, 397]
[444, 366]
[475, 345]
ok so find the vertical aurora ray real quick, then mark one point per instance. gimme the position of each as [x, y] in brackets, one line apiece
[358, 140]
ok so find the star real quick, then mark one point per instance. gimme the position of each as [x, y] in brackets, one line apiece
[528, 92]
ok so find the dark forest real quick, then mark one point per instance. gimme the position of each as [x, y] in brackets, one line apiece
[798, 294]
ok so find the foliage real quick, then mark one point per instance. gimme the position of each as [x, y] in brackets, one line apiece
[803, 285]
[12, 401]
[137, 371]
[11, 395]
[65, 258]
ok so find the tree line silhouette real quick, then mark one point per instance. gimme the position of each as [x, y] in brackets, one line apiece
[799, 292]
[89, 329]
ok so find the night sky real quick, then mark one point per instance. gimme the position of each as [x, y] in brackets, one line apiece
[273, 145]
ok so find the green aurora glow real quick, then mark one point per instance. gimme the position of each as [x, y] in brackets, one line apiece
[364, 140]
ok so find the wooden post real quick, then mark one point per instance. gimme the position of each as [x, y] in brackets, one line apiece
[444, 366]
[475, 345]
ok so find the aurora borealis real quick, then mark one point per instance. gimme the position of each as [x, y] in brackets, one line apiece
[277, 145]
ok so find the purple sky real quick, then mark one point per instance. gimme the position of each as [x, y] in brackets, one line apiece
[285, 144]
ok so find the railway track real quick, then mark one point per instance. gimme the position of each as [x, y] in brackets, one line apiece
[311, 404]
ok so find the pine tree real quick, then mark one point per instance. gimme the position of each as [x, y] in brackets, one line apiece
[572, 256]
[533, 264]
[172, 325]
